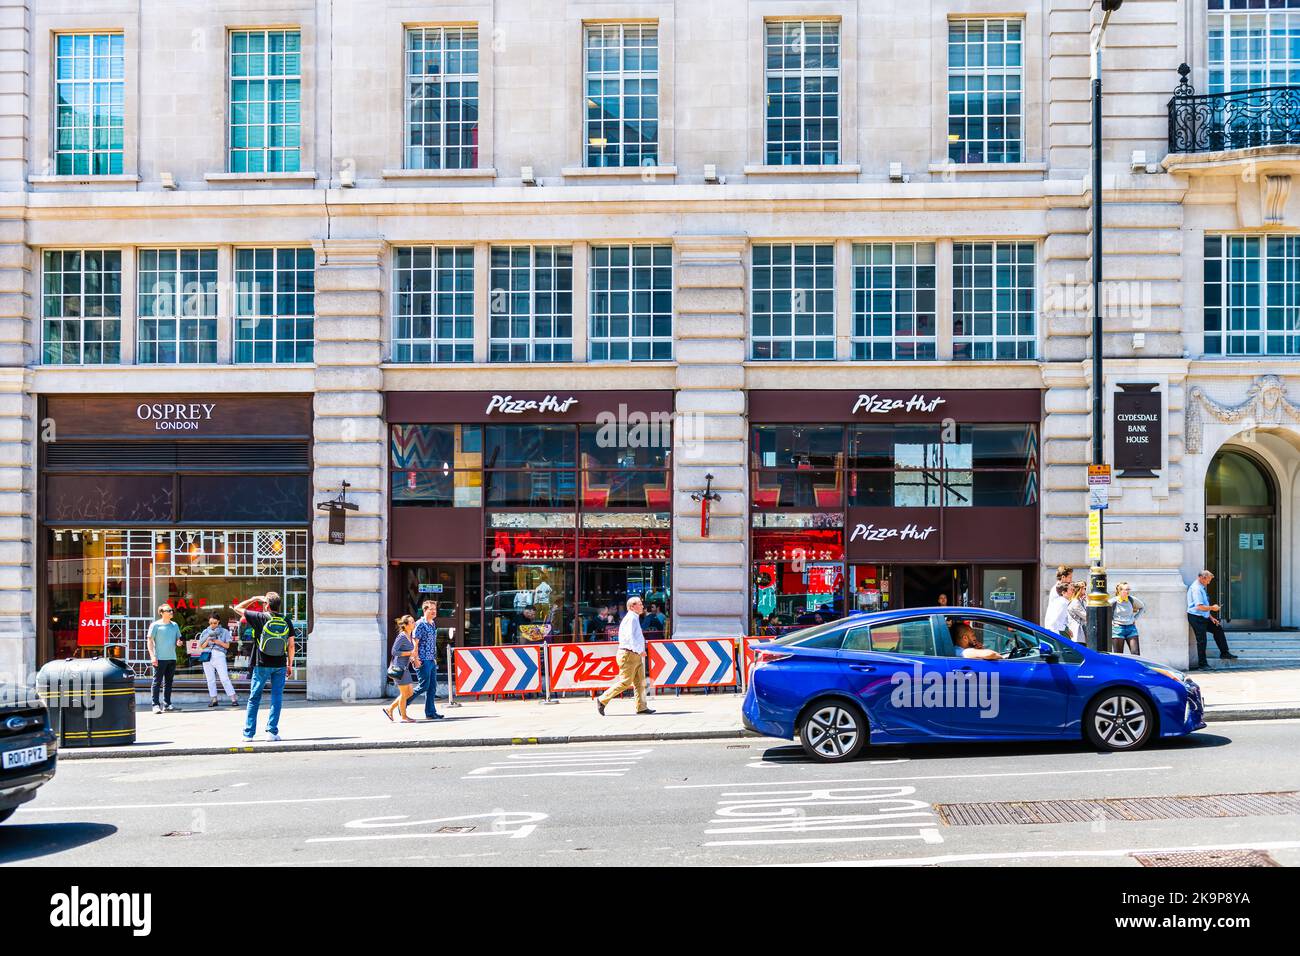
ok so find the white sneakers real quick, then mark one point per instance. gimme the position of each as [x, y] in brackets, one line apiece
[275, 737]
[157, 709]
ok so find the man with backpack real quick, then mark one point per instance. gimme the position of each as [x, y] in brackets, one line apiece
[272, 659]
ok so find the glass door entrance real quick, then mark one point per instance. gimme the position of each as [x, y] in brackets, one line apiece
[1240, 553]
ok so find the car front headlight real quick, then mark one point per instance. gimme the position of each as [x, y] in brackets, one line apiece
[1170, 673]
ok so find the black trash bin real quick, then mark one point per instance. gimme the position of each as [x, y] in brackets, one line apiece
[91, 701]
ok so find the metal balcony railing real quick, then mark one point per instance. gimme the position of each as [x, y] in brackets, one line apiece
[1267, 116]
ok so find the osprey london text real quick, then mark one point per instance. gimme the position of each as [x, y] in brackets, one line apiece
[175, 416]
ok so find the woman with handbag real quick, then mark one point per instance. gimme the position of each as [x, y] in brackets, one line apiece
[401, 667]
[213, 644]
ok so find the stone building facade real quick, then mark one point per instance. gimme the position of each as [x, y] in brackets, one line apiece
[730, 135]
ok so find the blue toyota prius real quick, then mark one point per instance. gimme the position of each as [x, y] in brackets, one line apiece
[901, 677]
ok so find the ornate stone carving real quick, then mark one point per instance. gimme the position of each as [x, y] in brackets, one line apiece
[1276, 190]
[1266, 402]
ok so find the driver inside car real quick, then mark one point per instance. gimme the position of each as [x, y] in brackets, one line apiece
[968, 644]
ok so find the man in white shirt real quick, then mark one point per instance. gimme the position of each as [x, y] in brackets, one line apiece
[631, 663]
[1057, 617]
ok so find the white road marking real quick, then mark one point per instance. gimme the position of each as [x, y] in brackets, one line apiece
[1050, 854]
[940, 776]
[578, 763]
[200, 803]
[515, 824]
[774, 817]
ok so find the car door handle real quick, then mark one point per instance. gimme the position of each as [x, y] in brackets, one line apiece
[861, 668]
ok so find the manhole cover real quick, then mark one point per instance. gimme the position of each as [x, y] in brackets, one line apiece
[737, 746]
[171, 833]
[456, 829]
[1207, 858]
[1038, 812]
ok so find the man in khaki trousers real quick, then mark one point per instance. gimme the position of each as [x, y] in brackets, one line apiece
[631, 662]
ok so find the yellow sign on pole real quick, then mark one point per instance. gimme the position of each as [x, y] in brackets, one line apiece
[1094, 536]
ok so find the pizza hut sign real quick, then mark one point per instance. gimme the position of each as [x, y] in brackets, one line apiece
[877, 405]
[872, 532]
[509, 405]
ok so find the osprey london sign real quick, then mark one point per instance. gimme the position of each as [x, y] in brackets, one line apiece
[175, 416]
[1138, 431]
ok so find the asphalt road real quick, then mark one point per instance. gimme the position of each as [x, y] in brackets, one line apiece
[744, 801]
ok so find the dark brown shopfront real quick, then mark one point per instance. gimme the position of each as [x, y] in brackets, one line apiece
[527, 514]
[196, 500]
[869, 500]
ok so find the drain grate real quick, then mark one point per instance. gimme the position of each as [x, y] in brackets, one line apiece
[1207, 858]
[1118, 808]
[456, 829]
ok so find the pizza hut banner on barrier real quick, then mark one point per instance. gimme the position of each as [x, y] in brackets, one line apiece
[681, 663]
[591, 666]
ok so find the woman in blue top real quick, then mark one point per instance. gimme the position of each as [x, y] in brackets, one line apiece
[402, 666]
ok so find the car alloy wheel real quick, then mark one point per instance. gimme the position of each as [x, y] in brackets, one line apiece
[1120, 721]
[832, 731]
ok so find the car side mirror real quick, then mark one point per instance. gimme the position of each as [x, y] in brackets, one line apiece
[1048, 652]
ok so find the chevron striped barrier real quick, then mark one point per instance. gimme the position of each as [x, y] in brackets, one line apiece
[498, 670]
[698, 662]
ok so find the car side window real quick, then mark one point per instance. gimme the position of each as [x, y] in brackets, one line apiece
[858, 639]
[913, 636]
[830, 641]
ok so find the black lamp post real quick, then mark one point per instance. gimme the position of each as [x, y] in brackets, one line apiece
[1098, 599]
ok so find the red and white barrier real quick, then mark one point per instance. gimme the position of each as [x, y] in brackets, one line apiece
[747, 654]
[592, 666]
[513, 669]
[698, 662]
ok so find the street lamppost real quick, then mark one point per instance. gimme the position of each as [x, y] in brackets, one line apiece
[1098, 599]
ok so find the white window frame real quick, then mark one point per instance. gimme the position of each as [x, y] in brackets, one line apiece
[803, 301]
[529, 346]
[179, 303]
[414, 157]
[460, 347]
[81, 320]
[95, 83]
[250, 320]
[920, 256]
[1026, 343]
[984, 72]
[1267, 65]
[1233, 311]
[627, 344]
[266, 149]
[621, 76]
[804, 74]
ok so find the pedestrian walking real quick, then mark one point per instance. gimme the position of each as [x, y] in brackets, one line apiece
[1201, 615]
[401, 667]
[272, 660]
[1125, 610]
[214, 642]
[163, 639]
[1078, 613]
[425, 636]
[631, 660]
[1057, 616]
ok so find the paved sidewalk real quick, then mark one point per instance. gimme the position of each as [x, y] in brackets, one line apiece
[330, 725]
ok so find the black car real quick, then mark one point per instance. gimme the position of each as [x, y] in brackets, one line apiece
[28, 747]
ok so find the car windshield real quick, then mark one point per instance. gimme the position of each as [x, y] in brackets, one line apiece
[798, 637]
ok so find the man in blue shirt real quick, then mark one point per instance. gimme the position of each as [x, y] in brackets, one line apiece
[426, 649]
[1200, 615]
